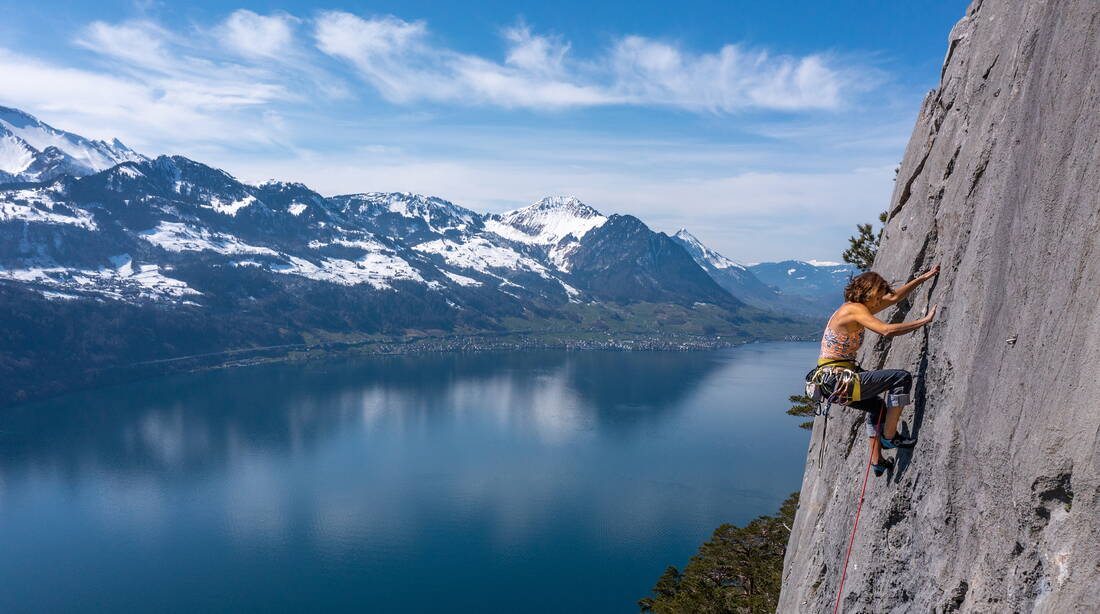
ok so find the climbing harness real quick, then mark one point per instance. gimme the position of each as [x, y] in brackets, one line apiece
[852, 539]
[834, 381]
[831, 381]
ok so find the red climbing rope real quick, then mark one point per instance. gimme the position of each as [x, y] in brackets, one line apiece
[859, 508]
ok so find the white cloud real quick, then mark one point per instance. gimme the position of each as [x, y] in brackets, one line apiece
[389, 53]
[399, 59]
[104, 105]
[535, 54]
[654, 72]
[183, 67]
[140, 43]
[250, 34]
[235, 82]
[228, 84]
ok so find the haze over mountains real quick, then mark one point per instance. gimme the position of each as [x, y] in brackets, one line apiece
[93, 230]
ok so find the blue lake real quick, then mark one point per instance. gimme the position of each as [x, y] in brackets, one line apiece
[533, 482]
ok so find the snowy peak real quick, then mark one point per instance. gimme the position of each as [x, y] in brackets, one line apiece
[703, 255]
[547, 221]
[562, 203]
[31, 150]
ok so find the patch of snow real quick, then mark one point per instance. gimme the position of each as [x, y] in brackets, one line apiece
[59, 296]
[118, 283]
[297, 209]
[179, 237]
[375, 269]
[571, 291]
[232, 208]
[559, 254]
[123, 264]
[462, 280]
[369, 245]
[479, 254]
[43, 212]
[791, 271]
[15, 154]
[822, 263]
[128, 171]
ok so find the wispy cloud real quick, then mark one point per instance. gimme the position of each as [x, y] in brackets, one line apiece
[254, 35]
[401, 61]
[231, 81]
[224, 83]
[105, 104]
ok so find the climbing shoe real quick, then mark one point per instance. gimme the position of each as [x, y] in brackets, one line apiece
[897, 441]
[883, 466]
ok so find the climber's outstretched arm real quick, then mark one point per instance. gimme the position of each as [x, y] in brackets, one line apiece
[862, 315]
[901, 292]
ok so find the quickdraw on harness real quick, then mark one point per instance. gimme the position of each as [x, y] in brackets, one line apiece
[832, 381]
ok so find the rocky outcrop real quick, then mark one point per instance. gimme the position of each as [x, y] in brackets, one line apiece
[997, 509]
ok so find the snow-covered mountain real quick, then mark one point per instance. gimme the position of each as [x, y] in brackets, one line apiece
[31, 150]
[806, 291]
[69, 236]
[547, 221]
[819, 283]
[555, 223]
[706, 257]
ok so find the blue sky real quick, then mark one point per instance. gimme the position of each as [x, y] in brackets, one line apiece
[768, 130]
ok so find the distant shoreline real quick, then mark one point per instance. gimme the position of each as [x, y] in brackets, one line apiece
[425, 344]
[460, 343]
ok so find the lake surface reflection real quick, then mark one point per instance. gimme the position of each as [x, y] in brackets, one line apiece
[495, 482]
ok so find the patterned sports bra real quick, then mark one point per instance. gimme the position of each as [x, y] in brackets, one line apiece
[838, 345]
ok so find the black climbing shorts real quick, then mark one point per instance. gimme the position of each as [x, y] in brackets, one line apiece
[895, 383]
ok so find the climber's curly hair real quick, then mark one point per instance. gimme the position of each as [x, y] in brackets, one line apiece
[866, 288]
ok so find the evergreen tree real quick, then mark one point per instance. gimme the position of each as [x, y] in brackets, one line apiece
[739, 571]
[804, 407]
[864, 245]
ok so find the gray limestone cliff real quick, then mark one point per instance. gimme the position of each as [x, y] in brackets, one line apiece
[997, 509]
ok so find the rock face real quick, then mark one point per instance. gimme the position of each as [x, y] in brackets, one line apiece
[997, 509]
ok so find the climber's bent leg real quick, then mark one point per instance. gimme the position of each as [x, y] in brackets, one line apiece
[874, 415]
[896, 383]
[879, 463]
[890, 426]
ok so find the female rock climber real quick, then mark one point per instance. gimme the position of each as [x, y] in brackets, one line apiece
[866, 295]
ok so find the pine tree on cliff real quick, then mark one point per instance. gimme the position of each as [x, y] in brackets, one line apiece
[739, 571]
[864, 245]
